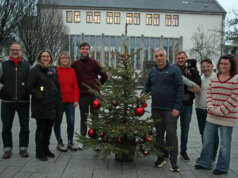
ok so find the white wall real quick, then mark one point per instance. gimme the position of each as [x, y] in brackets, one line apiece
[188, 24]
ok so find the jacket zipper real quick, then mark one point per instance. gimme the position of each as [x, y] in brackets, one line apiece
[16, 82]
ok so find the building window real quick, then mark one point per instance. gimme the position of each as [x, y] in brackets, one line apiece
[97, 17]
[89, 17]
[129, 18]
[168, 20]
[77, 17]
[109, 17]
[116, 18]
[156, 19]
[137, 19]
[175, 20]
[69, 16]
[148, 19]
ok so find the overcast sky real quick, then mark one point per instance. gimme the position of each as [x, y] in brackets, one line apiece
[229, 5]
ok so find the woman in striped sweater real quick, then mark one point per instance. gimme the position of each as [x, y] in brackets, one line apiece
[222, 98]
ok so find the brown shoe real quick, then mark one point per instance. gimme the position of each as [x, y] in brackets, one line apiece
[7, 155]
[24, 153]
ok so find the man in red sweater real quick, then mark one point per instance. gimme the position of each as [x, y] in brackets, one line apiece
[87, 70]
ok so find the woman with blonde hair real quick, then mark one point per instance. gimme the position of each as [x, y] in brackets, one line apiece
[70, 98]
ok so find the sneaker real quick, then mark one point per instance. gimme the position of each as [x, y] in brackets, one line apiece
[213, 161]
[174, 168]
[197, 166]
[160, 163]
[61, 147]
[48, 153]
[184, 155]
[217, 172]
[72, 146]
[24, 153]
[7, 155]
[41, 157]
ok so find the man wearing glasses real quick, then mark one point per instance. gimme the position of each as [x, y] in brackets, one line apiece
[15, 98]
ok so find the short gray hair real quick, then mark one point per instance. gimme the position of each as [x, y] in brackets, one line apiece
[161, 49]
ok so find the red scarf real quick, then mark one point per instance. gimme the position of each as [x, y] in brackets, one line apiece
[16, 61]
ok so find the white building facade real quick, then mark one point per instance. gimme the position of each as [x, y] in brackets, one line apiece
[151, 24]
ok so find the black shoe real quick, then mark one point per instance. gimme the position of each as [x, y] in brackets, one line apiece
[197, 166]
[41, 157]
[48, 153]
[24, 153]
[174, 168]
[217, 172]
[7, 155]
[160, 162]
[184, 155]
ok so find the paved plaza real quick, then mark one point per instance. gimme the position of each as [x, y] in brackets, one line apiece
[83, 164]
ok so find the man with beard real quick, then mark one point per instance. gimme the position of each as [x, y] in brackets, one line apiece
[87, 70]
[15, 98]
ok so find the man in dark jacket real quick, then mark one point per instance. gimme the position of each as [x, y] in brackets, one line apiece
[166, 86]
[87, 70]
[189, 95]
[15, 98]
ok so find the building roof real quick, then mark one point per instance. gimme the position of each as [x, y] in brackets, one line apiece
[207, 6]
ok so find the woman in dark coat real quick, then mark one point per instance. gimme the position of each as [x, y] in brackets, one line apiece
[44, 88]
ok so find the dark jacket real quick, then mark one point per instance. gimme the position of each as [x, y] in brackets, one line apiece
[87, 71]
[193, 75]
[44, 88]
[14, 79]
[166, 87]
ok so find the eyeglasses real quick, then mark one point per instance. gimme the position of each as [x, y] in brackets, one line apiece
[45, 56]
[64, 58]
[17, 50]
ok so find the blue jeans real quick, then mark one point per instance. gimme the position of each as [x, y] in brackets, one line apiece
[8, 110]
[169, 124]
[201, 118]
[69, 109]
[185, 119]
[208, 146]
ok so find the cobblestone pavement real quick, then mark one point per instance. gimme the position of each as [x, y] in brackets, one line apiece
[83, 164]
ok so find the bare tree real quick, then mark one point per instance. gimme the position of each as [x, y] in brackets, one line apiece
[44, 31]
[232, 32]
[11, 14]
[206, 44]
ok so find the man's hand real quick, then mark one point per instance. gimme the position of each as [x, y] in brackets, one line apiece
[175, 112]
[195, 90]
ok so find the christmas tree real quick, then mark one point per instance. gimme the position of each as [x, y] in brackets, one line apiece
[120, 126]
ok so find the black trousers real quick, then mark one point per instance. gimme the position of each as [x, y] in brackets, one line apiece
[85, 104]
[43, 133]
[166, 124]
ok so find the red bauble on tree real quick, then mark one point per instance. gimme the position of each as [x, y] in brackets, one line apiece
[119, 140]
[144, 104]
[114, 103]
[96, 104]
[91, 133]
[102, 134]
[146, 153]
[139, 111]
[105, 139]
[149, 139]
